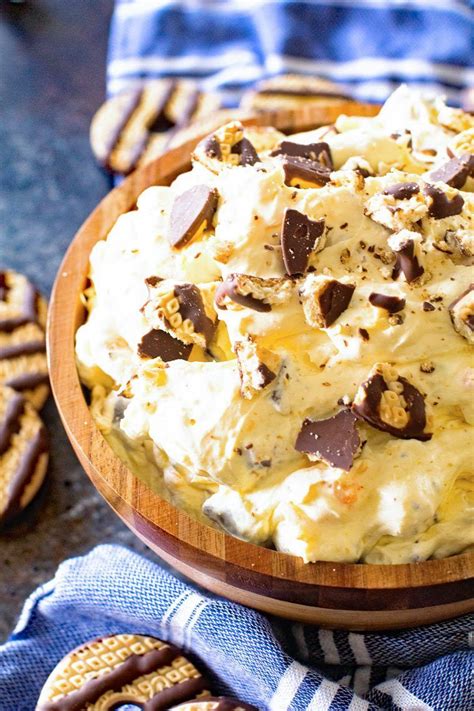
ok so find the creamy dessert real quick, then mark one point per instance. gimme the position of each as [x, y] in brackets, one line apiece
[281, 341]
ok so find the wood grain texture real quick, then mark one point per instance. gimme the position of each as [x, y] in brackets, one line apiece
[350, 596]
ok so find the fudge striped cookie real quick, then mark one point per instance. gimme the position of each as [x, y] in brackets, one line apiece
[23, 364]
[215, 703]
[23, 453]
[291, 91]
[134, 127]
[109, 672]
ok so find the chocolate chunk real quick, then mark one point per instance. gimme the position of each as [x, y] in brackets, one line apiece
[246, 151]
[402, 191]
[392, 304]
[456, 171]
[407, 262]
[10, 422]
[391, 404]
[230, 288]
[303, 172]
[441, 205]
[299, 235]
[334, 300]
[427, 306]
[157, 343]
[189, 213]
[212, 147]
[191, 306]
[364, 334]
[318, 152]
[334, 441]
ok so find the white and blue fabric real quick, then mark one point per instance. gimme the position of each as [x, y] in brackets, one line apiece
[368, 46]
[274, 664]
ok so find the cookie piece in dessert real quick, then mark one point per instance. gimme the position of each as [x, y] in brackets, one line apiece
[120, 669]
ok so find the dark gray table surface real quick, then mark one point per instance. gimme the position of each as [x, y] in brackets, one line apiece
[52, 70]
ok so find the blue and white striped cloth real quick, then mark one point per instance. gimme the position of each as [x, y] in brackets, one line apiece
[368, 46]
[274, 664]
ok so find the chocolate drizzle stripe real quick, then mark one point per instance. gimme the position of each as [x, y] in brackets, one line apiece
[183, 691]
[15, 350]
[27, 381]
[312, 93]
[132, 668]
[37, 446]
[11, 420]
[28, 312]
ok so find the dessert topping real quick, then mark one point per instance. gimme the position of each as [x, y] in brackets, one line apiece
[324, 300]
[252, 292]
[334, 440]
[390, 403]
[318, 152]
[160, 344]
[305, 173]
[299, 237]
[461, 311]
[257, 366]
[226, 147]
[392, 304]
[407, 262]
[456, 171]
[402, 191]
[191, 214]
[440, 204]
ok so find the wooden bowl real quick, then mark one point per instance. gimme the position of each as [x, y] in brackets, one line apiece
[351, 596]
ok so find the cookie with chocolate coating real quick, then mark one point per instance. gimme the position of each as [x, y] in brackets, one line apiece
[23, 453]
[215, 703]
[120, 669]
[23, 364]
[292, 91]
[133, 127]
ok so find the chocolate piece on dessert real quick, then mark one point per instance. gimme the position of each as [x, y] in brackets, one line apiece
[304, 173]
[407, 262]
[160, 344]
[441, 205]
[257, 366]
[392, 304]
[334, 440]
[253, 292]
[226, 147]
[299, 237]
[390, 403]
[324, 300]
[246, 151]
[191, 307]
[456, 171]
[402, 191]
[192, 214]
[318, 152]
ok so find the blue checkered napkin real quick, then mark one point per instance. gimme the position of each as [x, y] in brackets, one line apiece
[275, 665]
[369, 46]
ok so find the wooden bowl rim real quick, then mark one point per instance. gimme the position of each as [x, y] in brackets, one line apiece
[125, 492]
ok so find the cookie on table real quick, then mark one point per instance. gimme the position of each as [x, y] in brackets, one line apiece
[124, 668]
[291, 91]
[132, 128]
[23, 453]
[215, 703]
[23, 364]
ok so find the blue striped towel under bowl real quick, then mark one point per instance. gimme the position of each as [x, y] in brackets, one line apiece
[274, 664]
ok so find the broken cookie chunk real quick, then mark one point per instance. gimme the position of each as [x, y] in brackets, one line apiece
[180, 310]
[252, 292]
[318, 152]
[226, 147]
[441, 204]
[160, 344]
[324, 300]
[334, 441]
[191, 214]
[305, 173]
[455, 172]
[390, 403]
[257, 366]
[405, 244]
[402, 191]
[461, 311]
[398, 207]
[299, 237]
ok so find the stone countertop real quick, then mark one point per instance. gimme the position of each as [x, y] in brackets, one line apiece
[52, 80]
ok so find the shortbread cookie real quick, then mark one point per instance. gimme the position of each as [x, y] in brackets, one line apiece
[215, 703]
[132, 128]
[123, 668]
[23, 364]
[23, 453]
[291, 91]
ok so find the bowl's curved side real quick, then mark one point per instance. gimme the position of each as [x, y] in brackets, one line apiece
[348, 595]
